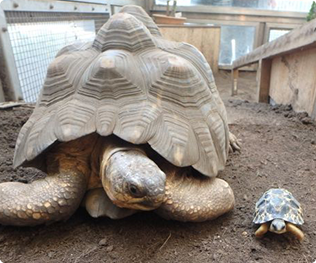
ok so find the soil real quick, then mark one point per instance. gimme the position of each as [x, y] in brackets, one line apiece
[278, 150]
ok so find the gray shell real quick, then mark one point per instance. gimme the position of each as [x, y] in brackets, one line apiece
[132, 83]
[278, 203]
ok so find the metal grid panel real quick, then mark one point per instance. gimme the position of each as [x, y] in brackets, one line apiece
[36, 37]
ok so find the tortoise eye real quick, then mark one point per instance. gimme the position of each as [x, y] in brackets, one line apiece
[135, 191]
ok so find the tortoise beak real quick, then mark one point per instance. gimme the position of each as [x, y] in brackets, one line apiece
[146, 203]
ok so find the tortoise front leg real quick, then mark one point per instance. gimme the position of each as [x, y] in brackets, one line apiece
[196, 199]
[295, 230]
[57, 196]
[262, 230]
[47, 200]
[98, 204]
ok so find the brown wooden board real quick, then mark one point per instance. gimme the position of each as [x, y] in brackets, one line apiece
[1, 93]
[264, 72]
[301, 37]
[293, 80]
[206, 39]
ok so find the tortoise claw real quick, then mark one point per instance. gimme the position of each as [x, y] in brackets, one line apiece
[234, 143]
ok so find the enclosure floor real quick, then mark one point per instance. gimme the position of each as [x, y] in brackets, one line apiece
[277, 152]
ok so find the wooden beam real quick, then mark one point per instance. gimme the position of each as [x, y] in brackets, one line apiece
[234, 10]
[1, 93]
[205, 38]
[55, 6]
[313, 114]
[301, 37]
[13, 91]
[235, 73]
[264, 74]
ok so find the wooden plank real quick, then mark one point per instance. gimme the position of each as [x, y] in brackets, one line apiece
[54, 6]
[313, 114]
[235, 73]
[12, 84]
[301, 37]
[211, 9]
[1, 93]
[232, 18]
[293, 80]
[264, 73]
[206, 39]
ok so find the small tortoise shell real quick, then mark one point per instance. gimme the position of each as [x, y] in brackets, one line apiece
[278, 203]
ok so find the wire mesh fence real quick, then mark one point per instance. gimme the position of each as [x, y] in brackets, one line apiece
[36, 37]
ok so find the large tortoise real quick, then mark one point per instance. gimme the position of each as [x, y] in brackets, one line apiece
[129, 113]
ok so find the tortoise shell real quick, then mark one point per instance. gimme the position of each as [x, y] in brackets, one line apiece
[132, 83]
[278, 203]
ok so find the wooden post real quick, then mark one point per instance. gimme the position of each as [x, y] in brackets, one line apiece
[263, 77]
[235, 73]
[13, 91]
[1, 93]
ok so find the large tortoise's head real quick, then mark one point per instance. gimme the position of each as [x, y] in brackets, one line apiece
[132, 180]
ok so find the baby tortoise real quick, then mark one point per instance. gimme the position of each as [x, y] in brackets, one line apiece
[279, 212]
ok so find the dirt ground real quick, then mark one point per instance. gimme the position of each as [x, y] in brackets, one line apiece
[278, 151]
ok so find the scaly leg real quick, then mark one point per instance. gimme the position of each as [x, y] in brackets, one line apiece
[57, 196]
[295, 230]
[51, 199]
[262, 230]
[195, 198]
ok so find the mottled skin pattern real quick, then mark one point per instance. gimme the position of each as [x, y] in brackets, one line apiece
[146, 186]
[186, 196]
[278, 211]
[195, 198]
[53, 199]
[130, 178]
[57, 196]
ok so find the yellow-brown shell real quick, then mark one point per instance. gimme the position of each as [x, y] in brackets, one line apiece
[132, 83]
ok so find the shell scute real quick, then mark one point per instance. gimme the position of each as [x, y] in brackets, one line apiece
[132, 83]
[278, 203]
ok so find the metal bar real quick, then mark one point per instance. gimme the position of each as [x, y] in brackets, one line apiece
[1, 93]
[14, 92]
[233, 11]
[53, 6]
